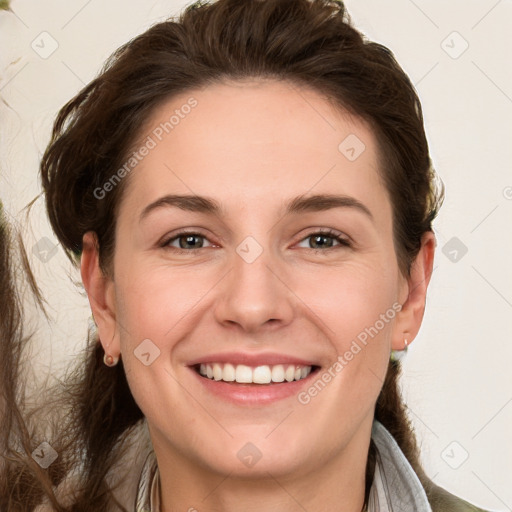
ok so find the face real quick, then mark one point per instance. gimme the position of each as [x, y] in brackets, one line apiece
[251, 274]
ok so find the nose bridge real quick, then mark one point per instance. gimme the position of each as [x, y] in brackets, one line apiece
[253, 294]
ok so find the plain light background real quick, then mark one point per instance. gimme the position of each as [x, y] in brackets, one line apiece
[457, 380]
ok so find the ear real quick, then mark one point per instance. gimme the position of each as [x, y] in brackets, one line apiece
[414, 289]
[101, 295]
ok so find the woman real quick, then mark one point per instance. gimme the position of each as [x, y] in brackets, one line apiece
[250, 195]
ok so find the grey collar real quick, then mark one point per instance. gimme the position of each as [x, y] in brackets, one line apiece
[395, 488]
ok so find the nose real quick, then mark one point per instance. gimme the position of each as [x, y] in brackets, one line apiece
[255, 295]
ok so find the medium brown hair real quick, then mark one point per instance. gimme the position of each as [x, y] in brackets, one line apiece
[304, 42]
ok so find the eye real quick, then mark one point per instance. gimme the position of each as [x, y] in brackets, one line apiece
[324, 240]
[187, 241]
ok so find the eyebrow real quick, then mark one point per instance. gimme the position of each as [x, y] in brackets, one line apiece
[300, 204]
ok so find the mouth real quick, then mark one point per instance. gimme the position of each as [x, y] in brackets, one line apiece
[250, 379]
[259, 375]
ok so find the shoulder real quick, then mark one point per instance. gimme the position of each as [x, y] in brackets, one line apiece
[406, 481]
[443, 501]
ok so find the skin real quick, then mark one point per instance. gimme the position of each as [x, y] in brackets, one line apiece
[253, 146]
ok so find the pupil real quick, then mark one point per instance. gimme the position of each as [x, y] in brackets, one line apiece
[189, 239]
[320, 237]
[319, 240]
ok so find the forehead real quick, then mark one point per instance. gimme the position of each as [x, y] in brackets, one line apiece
[255, 142]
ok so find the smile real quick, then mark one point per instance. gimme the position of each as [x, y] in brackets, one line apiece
[262, 374]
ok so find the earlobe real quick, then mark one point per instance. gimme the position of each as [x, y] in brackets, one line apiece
[100, 292]
[409, 319]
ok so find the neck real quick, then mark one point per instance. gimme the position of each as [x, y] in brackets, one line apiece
[336, 483]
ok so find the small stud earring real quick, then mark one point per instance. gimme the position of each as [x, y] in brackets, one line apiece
[110, 360]
[398, 355]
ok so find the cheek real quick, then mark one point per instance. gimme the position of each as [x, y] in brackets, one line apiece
[355, 302]
[155, 311]
[149, 312]
[358, 306]
[152, 302]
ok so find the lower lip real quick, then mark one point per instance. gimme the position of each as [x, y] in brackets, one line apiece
[254, 394]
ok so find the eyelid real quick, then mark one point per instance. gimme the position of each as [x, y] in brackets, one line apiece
[344, 240]
[164, 242]
[341, 238]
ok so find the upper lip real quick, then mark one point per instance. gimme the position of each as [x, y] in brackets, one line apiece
[260, 359]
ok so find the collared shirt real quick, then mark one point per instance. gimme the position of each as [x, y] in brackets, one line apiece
[395, 487]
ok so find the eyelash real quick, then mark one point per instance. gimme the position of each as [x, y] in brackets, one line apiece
[328, 232]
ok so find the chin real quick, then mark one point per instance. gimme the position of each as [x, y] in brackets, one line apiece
[255, 453]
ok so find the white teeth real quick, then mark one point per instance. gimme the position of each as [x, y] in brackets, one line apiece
[229, 373]
[217, 371]
[289, 374]
[243, 374]
[278, 373]
[263, 374]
